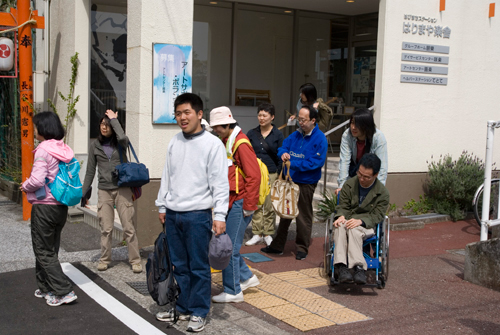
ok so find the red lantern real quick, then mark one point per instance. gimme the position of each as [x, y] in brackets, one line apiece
[7, 52]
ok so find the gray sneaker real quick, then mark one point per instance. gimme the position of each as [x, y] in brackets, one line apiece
[196, 324]
[168, 316]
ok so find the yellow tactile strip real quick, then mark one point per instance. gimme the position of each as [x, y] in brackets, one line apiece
[284, 296]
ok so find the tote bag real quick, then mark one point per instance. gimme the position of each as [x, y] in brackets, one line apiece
[285, 195]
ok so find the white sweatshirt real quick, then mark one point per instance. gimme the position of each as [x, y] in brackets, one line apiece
[195, 176]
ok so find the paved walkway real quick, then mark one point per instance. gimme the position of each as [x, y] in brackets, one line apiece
[425, 292]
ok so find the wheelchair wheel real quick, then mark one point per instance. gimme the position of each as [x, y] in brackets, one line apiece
[384, 254]
[477, 201]
[328, 246]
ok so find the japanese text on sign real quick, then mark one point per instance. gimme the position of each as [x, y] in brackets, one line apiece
[430, 30]
[424, 69]
[424, 80]
[426, 47]
[420, 18]
[424, 58]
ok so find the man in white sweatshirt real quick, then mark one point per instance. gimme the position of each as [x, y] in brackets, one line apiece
[194, 181]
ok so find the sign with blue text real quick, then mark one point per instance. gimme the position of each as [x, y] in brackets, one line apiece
[172, 68]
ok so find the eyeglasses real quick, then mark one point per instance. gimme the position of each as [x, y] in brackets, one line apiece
[360, 176]
[301, 120]
[104, 124]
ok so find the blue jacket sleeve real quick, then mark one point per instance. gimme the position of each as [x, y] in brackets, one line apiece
[314, 160]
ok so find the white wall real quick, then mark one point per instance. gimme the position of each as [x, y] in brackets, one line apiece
[151, 22]
[69, 33]
[421, 120]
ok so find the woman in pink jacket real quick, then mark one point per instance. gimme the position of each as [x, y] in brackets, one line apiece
[48, 216]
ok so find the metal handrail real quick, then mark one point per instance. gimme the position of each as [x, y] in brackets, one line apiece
[485, 215]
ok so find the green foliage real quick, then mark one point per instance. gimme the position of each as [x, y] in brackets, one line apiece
[418, 207]
[327, 206]
[70, 99]
[392, 208]
[452, 184]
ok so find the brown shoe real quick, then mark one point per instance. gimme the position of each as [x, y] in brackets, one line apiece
[102, 266]
[137, 268]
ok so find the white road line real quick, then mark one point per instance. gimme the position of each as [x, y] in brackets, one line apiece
[103, 298]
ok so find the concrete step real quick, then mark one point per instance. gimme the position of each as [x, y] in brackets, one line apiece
[74, 215]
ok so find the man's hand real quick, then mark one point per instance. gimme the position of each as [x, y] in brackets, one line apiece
[219, 227]
[340, 220]
[285, 157]
[353, 223]
[161, 217]
[337, 191]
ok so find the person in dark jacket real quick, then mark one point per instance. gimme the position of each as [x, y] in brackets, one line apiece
[306, 150]
[266, 139]
[363, 203]
[104, 155]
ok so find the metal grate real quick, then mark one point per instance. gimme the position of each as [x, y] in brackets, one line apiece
[139, 286]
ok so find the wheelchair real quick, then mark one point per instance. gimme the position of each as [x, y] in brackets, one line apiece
[377, 245]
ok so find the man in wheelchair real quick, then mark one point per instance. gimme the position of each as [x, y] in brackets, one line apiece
[363, 204]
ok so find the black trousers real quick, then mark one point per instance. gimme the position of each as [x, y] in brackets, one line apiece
[47, 222]
[304, 221]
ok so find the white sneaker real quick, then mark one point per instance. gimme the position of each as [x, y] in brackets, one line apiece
[268, 239]
[225, 297]
[252, 282]
[254, 240]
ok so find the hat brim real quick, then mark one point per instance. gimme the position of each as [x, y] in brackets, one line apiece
[213, 124]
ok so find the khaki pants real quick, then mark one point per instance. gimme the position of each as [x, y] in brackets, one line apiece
[122, 198]
[349, 243]
[264, 218]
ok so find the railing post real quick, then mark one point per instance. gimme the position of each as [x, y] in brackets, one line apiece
[485, 215]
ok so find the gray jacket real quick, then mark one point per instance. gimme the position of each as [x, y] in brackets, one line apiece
[97, 157]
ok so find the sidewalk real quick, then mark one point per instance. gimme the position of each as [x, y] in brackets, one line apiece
[425, 292]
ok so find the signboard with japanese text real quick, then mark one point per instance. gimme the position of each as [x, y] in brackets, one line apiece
[424, 68]
[172, 68]
[424, 80]
[442, 49]
[424, 58]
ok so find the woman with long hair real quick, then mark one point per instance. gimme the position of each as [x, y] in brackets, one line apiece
[48, 216]
[361, 137]
[104, 154]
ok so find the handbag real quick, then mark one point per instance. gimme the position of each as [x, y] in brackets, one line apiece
[130, 174]
[285, 195]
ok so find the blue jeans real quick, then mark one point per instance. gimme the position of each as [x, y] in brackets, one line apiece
[188, 235]
[237, 271]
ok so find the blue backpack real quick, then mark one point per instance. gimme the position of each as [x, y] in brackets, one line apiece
[67, 187]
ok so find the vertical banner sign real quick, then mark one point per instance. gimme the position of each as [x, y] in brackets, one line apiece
[172, 68]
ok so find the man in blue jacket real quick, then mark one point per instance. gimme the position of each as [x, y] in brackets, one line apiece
[306, 150]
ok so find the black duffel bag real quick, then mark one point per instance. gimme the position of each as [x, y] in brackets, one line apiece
[130, 174]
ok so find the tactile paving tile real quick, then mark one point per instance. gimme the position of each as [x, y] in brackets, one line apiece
[299, 294]
[254, 293]
[286, 311]
[308, 282]
[266, 280]
[266, 302]
[289, 275]
[318, 305]
[308, 322]
[314, 272]
[343, 315]
[217, 278]
[278, 287]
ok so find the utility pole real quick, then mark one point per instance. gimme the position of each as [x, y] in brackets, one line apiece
[26, 19]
